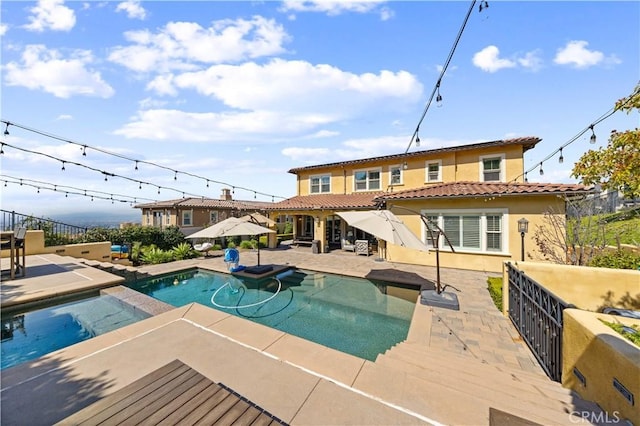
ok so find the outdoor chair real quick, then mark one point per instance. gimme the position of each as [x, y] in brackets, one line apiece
[19, 246]
[203, 248]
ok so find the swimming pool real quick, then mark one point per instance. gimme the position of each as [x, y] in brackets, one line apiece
[30, 335]
[348, 314]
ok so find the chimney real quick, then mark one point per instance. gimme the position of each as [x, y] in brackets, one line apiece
[226, 194]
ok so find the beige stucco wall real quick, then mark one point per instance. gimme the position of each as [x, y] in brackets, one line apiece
[513, 208]
[586, 287]
[34, 244]
[456, 166]
[601, 354]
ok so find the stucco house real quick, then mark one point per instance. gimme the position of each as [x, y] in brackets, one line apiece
[476, 193]
[192, 214]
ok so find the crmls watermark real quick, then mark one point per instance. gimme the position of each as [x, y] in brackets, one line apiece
[591, 417]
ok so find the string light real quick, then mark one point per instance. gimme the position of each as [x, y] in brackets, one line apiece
[442, 72]
[6, 129]
[175, 176]
[541, 171]
[136, 161]
[1, 148]
[561, 159]
[592, 139]
[84, 150]
[417, 137]
[599, 120]
[63, 169]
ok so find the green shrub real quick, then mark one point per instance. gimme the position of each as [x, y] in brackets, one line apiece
[626, 331]
[183, 251]
[619, 259]
[247, 244]
[495, 291]
[155, 255]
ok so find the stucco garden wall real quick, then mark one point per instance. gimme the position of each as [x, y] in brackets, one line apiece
[586, 287]
[34, 244]
[600, 355]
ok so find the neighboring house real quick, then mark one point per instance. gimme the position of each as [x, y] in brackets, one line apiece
[475, 193]
[194, 214]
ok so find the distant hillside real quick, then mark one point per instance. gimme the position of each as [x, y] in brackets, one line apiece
[93, 219]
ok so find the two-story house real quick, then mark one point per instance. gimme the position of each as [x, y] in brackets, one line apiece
[475, 193]
[192, 214]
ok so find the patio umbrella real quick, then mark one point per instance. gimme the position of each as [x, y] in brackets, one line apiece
[231, 227]
[384, 225]
[258, 218]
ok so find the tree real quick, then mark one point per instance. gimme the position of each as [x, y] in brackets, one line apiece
[616, 167]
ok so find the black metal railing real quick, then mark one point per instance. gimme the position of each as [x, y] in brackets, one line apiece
[55, 232]
[537, 314]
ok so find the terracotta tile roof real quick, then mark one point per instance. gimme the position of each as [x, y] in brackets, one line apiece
[527, 143]
[357, 200]
[476, 189]
[207, 203]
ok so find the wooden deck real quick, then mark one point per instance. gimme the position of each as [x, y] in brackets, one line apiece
[173, 394]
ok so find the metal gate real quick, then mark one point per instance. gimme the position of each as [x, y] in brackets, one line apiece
[537, 314]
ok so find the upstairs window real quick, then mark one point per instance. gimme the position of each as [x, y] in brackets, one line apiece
[186, 218]
[367, 180]
[213, 217]
[434, 171]
[395, 175]
[320, 184]
[492, 168]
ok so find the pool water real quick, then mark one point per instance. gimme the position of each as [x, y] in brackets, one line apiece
[30, 335]
[348, 314]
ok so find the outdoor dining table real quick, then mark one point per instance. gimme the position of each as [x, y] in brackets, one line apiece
[11, 238]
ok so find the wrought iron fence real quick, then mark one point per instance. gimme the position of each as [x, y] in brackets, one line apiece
[55, 232]
[537, 314]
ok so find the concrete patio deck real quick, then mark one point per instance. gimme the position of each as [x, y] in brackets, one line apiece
[453, 367]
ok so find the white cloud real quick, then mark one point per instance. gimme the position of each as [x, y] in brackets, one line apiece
[3, 29]
[133, 9]
[148, 103]
[47, 70]
[531, 60]
[386, 14]
[64, 117]
[488, 60]
[175, 125]
[181, 45]
[306, 155]
[576, 54]
[333, 7]
[51, 14]
[300, 86]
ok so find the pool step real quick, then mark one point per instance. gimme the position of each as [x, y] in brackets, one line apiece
[103, 314]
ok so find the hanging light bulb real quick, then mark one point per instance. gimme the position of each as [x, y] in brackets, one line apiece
[6, 129]
[541, 171]
[66, 195]
[84, 151]
[561, 159]
[92, 198]
[55, 188]
[254, 195]
[2, 149]
[207, 183]
[38, 190]
[140, 185]
[63, 169]
[136, 165]
[175, 176]
[592, 139]
[438, 97]
[272, 199]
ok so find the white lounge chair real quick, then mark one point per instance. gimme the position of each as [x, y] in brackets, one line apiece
[203, 248]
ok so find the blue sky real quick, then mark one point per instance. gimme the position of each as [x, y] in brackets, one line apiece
[240, 92]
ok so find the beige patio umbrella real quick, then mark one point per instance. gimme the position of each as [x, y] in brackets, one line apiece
[258, 218]
[384, 225]
[230, 227]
